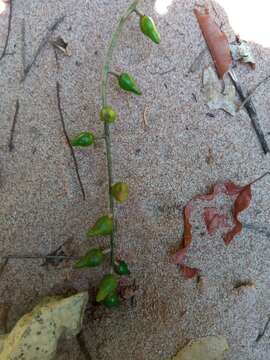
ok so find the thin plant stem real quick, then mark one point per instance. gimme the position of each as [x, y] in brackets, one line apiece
[113, 73]
[260, 178]
[104, 87]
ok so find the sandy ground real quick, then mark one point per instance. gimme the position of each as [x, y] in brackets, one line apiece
[165, 163]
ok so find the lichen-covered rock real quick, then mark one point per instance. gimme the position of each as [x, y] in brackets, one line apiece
[36, 334]
[206, 348]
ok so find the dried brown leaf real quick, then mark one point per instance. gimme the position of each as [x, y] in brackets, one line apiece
[216, 40]
[213, 219]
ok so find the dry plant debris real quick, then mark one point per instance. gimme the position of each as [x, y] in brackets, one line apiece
[214, 96]
[216, 40]
[214, 219]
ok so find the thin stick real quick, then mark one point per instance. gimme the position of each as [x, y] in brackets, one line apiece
[250, 108]
[261, 334]
[68, 140]
[8, 29]
[163, 72]
[260, 178]
[33, 257]
[23, 46]
[42, 44]
[104, 86]
[253, 91]
[14, 122]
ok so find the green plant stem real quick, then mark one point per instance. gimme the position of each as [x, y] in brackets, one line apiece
[104, 86]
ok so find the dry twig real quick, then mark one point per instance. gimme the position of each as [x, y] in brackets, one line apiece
[261, 334]
[42, 44]
[14, 122]
[251, 93]
[68, 140]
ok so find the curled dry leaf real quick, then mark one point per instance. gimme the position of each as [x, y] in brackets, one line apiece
[207, 348]
[62, 45]
[214, 96]
[213, 219]
[241, 52]
[216, 40]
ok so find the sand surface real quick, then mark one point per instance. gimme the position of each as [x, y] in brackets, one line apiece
[181, 152]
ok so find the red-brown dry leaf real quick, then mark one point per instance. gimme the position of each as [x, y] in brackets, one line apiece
[216, 40]
[241, 203]
[189, 272]
[213, 220]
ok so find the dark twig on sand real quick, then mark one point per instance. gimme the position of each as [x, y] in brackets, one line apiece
[261, 334]
[250, 108]
[163, 72]
[37, 257]
[68, 140]
[8, 30]
[23, 46]
[251, 93]
[14, 122]
[42, 44]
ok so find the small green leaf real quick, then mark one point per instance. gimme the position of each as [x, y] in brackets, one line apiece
[120, 191]
[84, 139]
[148, 27]
[126, 82]
[108, 114]
[107, 285]
[112, 300]
[121, 268]
[102, 227]
[93, 258]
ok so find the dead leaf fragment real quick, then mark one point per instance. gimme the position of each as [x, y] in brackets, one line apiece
[214, 97]
[207, 348]
[216, 40]
[62, 45]
[36, 334]
[242, 52]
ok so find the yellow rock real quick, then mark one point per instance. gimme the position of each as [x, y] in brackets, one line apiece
[36, 334]
[206, 348]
